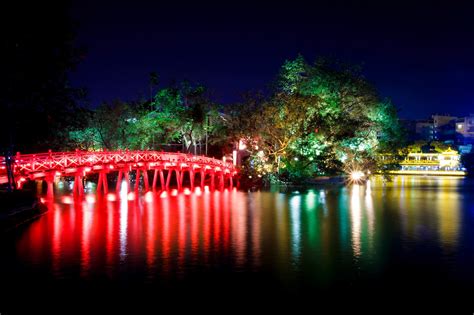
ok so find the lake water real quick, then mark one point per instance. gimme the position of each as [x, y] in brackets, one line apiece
[410, 237]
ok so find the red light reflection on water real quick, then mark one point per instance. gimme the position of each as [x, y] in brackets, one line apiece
[163, 231]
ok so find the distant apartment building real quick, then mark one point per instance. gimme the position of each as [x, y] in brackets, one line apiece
[445, 128]
[424, 130]
[455, 131]
[436, 128]
[465, 126]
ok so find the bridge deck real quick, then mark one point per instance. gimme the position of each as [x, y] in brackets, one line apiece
[80, 163]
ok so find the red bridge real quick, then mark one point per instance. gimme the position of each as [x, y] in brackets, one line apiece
[79, 164]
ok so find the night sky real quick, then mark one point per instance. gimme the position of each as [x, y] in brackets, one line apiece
[419, 55]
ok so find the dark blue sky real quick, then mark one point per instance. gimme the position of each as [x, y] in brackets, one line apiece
[419, 55]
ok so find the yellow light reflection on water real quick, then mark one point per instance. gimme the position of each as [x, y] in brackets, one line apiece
[295, 213]
[356, 219]
[447, 206]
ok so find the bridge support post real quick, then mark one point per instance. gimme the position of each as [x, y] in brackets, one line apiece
[155, 178]
[191, 179]
[102, 184]
[162, 180]
[99, 183]
[179, 179]
[168, 178]
[50, 186]
[137, 180]
[203, 177]
[145, 179]
[127, 180]
[119, 181]
[213, 185]
[122, 175]
[78, 188]
[221, 181]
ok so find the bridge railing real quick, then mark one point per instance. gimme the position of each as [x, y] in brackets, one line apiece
[62, 160]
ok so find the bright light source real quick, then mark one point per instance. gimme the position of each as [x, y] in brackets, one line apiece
[234, 157]
[357, 175]
[242, 145]
[148, 196]
[90, 199]
[296, 159]
[66, 200]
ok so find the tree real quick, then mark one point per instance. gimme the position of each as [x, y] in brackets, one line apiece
[183, 112]
[320, 119]
[180, 114]
[439, 146]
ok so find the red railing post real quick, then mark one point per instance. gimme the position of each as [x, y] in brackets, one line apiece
[50, 158]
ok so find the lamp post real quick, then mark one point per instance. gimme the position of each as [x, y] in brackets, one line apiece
[9, 161]
[207, 127]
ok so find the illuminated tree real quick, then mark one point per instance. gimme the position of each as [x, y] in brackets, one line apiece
[320, 119]
[184, 114]
[179, 115]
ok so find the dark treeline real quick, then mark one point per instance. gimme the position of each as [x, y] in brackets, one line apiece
[37, 103]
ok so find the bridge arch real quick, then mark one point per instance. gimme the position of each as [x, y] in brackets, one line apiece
[164, 165]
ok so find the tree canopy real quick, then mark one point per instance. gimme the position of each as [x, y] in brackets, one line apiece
[321, 118]
[179, 115]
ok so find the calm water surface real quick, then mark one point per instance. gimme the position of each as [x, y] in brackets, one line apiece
[411, 236]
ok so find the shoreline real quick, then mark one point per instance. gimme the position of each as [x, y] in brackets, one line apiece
[19, 207]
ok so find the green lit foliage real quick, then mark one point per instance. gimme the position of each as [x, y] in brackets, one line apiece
[422, 146]
[417, 146]
[107, 128]
[180, 116]
[438, 146]
[185, 114]
[86, 139]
